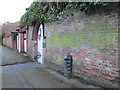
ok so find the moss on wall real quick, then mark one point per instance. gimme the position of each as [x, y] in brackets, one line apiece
[90, 38]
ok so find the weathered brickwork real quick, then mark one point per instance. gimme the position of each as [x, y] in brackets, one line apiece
[32, 44]
[7, 41]
[91, 39]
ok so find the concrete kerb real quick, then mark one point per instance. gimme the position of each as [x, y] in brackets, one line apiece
[86, 81]
[77, 83]
[70, 81]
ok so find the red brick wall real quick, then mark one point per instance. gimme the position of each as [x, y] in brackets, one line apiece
[91, 40]
[32, 44]
[7, 41]
[14, 44]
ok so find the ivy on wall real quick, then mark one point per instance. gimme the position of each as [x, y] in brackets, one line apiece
[48, 11]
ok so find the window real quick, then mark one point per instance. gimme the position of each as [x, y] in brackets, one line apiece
[24, 35]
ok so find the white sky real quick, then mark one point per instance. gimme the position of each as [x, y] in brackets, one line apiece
[12, 10]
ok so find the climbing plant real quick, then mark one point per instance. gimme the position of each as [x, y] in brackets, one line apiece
[47, 11]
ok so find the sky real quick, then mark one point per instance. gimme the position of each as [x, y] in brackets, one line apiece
[12, 10]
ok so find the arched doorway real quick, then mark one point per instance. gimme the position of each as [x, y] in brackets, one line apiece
[40, 44]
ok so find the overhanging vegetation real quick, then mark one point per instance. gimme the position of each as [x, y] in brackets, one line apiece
[48, 11]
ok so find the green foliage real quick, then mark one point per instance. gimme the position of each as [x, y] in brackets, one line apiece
[49, 11]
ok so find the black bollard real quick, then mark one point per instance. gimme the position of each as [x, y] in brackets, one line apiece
[68, 66]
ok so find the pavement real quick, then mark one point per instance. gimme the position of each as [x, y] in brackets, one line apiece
[31, 75]
[28, 74]
[10, 56]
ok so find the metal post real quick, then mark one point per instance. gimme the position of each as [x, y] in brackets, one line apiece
[68, 66]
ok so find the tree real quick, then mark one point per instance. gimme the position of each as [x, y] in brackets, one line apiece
[9, 26]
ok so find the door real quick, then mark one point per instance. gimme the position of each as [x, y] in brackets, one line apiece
[25, 46]
[17, 43]
[40, 44]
